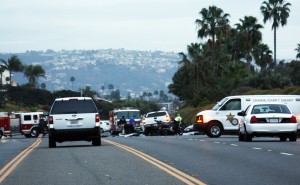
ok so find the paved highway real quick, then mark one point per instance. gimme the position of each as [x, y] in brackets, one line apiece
[193, 159]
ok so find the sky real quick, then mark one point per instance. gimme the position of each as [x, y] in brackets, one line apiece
[145, 25]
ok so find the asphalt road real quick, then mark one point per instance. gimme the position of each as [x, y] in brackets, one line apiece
[214, 161]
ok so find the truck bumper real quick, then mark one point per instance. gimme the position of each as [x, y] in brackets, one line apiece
[200, 127]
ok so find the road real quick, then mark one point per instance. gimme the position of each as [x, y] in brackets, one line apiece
[132, 160]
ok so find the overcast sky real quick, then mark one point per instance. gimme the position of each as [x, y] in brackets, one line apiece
[165, 25]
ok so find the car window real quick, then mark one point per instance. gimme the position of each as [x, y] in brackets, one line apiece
[270, 108]
[73, 107]
[234, 104]
[156, 114]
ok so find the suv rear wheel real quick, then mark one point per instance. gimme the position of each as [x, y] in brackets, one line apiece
[52, 142]
[96, 141]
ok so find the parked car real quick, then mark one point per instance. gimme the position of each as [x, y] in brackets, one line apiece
[74, 119]
[151, 119]
[104, 126]
[267, 119]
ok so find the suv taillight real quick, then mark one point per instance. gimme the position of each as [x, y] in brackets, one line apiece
[50, 120]
[253, 119]
[97, 119]
[199, 119]
[293, 119]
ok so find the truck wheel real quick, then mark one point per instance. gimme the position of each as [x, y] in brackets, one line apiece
[34, 132]
[214, 130]
[96, 141]
[1, 134]
[52, 142]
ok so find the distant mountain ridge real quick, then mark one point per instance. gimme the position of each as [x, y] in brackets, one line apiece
[128, 70]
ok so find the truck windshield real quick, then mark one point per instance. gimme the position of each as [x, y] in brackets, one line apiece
[219, 104]
[128, 114]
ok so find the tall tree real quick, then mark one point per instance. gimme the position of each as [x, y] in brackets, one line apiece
[13, 64]
[298, 51]
[212, 23]
[72, 79]
[278, 12]
[249, 35]
[2, 69]
[262, 55]
[33, 72]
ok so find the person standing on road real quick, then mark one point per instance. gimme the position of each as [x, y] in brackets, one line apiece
[132, 123]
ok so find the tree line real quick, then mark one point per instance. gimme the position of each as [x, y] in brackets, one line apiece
[231, 59]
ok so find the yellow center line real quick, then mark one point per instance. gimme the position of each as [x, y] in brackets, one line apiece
[8, 168]
[161, 165]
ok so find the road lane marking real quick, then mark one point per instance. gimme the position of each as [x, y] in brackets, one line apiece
[234, 145]
[283, 153]
[255, 148]
[161, 165]
[8, 168]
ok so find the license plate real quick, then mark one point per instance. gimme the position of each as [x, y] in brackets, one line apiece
[272, 120]
[73, 122]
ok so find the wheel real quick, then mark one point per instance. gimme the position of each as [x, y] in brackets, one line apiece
[248, 137]
[101, 130]
[27, 135]
[1, 134]
[34, 132]
[283, 138]
[293, 137]
[52, 142]
[241, 137]
[96, 141]
[214, 130]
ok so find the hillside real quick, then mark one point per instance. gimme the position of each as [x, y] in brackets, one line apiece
[128, 71]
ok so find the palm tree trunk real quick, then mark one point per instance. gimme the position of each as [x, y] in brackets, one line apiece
[275, 45]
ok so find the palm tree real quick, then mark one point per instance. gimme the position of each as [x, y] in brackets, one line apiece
[212, 23]
[249, 34]
[72, 79]
[298, 51]
[2, 69]
[262, 55]
[13, 64]
[33, 72]
[276, 11]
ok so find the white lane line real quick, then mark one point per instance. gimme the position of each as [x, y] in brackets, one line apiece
[202, 140]
[255, 148]
[217, 142]
[234, 145]
[283, 153]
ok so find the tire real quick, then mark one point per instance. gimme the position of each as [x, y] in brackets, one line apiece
[1, 134]
[34, 132]
[52, 142]
[241, 137]
[27, 135]
[101, 130]
[214, 130]
[96, 141]
[293, 137]
[283, 138]
[248, 137]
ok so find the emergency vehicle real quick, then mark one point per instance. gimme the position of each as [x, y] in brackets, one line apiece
[115, 116]
[223, 116]
[29, 123]
[4, 125]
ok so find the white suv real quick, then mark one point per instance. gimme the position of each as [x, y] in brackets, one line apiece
[149, 122]
[74, 119]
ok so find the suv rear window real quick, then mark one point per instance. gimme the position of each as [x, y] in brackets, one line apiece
[156, 114]
[73, 107]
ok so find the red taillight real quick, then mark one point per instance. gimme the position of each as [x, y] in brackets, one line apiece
[293, 119]
[50, 120]
[253, 119]
[199, 119]
[97, 119]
